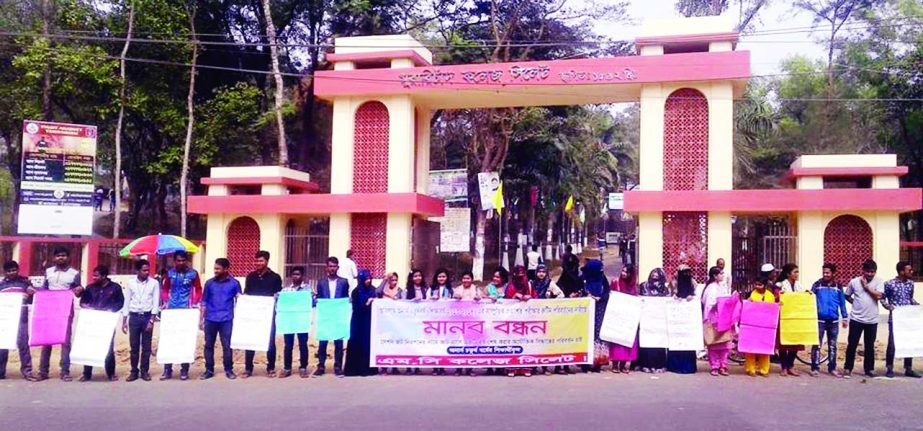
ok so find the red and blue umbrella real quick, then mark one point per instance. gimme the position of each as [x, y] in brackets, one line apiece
[158, 244]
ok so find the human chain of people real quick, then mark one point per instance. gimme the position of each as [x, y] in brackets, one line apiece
[520, 323]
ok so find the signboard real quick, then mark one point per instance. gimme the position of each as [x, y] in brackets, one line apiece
[488, 183]
[616, 201]
[58, 162]
[469, 334]
[449, 185]
[454, 230]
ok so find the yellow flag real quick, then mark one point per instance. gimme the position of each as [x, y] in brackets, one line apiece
[569, 206]
[498, 198]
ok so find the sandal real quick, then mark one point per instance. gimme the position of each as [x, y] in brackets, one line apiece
[714, 373]
[723, 372]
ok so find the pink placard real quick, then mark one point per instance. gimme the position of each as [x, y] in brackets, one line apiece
[51, 311]
[728, 312]
[758, 324]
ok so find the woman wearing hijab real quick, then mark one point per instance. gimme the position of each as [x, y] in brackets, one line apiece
[360, 327]
[654, 359]
[622, 356]
[543, 286]
[597, 287]
[570, 281]
[519, 288]
[683, 362]
[718, 350]
[789, 283]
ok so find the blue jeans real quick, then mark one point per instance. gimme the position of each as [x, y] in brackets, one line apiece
[832, 329]
[214, 330]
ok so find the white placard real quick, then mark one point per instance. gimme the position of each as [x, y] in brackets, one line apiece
[653, 324]
[620, 324]
[252, 323]
[488, 182]
[93, 336]
[179, 333]
[10, 315]
[616, 201]
[454, 230]
[684, 325]
[908, 331]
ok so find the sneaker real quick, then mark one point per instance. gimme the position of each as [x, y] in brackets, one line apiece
[183, 375]
[146, 377]
[847, 374]
[285, 373]
[318, 372]
[132, 377]
[207, 375]
[167, 375]
[510, 374]
[912, 374]
[271, 373]
[889, 374]
[527, 374]
[230, 375]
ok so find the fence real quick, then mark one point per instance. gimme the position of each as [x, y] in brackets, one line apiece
[306, 249]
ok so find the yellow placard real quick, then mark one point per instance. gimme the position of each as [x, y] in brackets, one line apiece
[798, 322]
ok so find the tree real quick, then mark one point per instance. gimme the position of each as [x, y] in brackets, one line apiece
[190, 123]
[280, 88]
[118, 128]
[748, 10]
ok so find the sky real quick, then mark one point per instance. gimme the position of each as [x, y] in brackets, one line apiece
[766, 51]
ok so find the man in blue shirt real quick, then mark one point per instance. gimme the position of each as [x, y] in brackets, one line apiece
[332, 287]
[182, 288]
[218, 301]
[831, 305]
[898, 293]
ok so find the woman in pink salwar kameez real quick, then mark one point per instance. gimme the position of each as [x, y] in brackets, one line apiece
[718, 351]
[622, 356]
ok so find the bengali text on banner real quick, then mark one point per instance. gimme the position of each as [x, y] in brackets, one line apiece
[469, 334]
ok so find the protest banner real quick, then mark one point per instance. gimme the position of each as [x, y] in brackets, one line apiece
[758, 324]
[488, 183]
[728, 312]
[252, 322]
[653, 326]
[10, 315]
[93, 336]
[620, 324]
[294, 312]
[333, 317]
[56, 192]
[908, 331]
[798, 319]
[684, 325]
[179, 332]
[450, 185]
[467, 334]
[50, 318]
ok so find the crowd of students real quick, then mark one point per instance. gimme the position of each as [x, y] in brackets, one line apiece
[144, 296]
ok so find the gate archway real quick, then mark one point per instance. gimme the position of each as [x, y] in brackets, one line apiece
[847, 243]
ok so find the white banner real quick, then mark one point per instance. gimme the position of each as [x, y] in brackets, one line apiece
[454, 230]
[179, 333]
[10, 315]
[620, 324]
[469, 334]
[653, 325]
[252, 323]
[488, 183]
[908, 331]
[93, 336]
[684, 325]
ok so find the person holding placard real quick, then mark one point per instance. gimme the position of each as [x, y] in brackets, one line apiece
[60, 277]
[103, 295]
[360, 328]
[297, 285]
[12, 282]
[898, 293]
[622, 356]
[718, 343]
[520, 289]
[263, 282]
[217, 319]
[789, 284]
[332, 287]
[683, 362]
[863, 292]
[142, 305]
[654, 359]
[755, 363]
[182, 289]
[831, 305]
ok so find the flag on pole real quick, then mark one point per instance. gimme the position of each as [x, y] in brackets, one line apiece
[498, 198]
[569, 206]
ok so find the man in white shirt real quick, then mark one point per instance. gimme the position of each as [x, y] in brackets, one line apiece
[533, 258]
[142, 305]
[349, 270]
[726, 283]
[60, 277]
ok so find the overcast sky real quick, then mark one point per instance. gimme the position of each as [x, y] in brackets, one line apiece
[766, 51]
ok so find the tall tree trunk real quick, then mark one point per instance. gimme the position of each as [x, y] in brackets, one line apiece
[477, 268]
[47, 113]
[118, 126]
[274, 57]
[190, 122]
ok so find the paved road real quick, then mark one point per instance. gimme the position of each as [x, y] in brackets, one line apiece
[583, 402]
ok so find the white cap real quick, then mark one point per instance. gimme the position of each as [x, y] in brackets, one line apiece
[767, 267]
